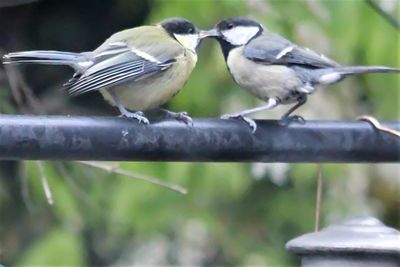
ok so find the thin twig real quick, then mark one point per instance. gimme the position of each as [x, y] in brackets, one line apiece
[8, 3]
[45, 183]
[20, 89]
[26, 196]
[34, 102]
[319, 198]
[377, 125]
[116, 170]
[77, 190]
[388, 17]
[15, 91]
[93, 205]
[318, 9]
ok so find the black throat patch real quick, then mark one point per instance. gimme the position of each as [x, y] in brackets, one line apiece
[226, 47]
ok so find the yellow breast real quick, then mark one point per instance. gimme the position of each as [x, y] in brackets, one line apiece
[157, 89]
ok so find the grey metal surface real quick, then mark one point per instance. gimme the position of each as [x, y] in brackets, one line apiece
[351, 260]
[111, 138]
[360, 241]
[359, 234]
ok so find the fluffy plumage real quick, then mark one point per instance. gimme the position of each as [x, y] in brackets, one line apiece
[275, 69]
[138, 69]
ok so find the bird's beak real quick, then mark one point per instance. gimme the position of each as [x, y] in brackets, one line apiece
[209, 33]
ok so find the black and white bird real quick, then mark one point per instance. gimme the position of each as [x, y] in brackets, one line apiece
[136, 69]
[275, 69]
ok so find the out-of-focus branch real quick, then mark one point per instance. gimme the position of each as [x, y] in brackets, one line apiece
[8, 3]
[22, 93]
[117, 170]
[378, 125]
[388, 17]
[318, 198]
[26, 196]
[45, 183]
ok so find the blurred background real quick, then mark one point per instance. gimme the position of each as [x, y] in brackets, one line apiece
[233, 214]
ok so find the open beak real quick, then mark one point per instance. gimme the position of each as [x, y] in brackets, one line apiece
[209, 33]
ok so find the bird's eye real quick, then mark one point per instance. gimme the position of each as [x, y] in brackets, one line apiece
[229, 26]
[191, 31]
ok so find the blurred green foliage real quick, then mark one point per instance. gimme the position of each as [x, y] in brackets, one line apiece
[234, 213]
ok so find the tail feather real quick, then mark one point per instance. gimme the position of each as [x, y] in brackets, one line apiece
[336, 74]
[365, 69]
[74, 60]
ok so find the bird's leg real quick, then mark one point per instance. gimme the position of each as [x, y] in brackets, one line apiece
[125, 113]
[286, 118]
[272, 102]
[180, 116]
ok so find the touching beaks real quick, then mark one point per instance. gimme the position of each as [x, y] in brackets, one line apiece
[209, 33]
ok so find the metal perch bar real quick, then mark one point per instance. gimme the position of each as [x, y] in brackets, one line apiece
[24, 137]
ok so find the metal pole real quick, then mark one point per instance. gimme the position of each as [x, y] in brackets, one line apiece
[25, 137]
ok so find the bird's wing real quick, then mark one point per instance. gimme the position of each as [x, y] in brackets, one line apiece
[114, 64]
[271, 48]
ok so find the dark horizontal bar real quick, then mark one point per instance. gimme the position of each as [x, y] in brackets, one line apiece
[119, 139]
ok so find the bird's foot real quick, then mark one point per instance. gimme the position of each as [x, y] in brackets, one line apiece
[252, 124]
[180, 116]
[286, 120]
[139, 116]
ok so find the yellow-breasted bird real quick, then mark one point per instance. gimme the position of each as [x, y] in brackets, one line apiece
[136, 69]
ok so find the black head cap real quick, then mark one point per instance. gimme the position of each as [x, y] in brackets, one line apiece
[178, 26]
[229, 23]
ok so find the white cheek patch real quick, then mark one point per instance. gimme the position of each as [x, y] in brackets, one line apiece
[189, 41]
[240, 35]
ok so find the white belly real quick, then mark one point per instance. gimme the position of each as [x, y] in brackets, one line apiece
[264, 81]
[153, 91]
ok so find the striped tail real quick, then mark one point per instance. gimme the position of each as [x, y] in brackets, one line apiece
[78, 61]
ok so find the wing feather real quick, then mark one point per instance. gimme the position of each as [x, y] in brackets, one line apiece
[274, 49]
[98, 79]
[116, 65]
